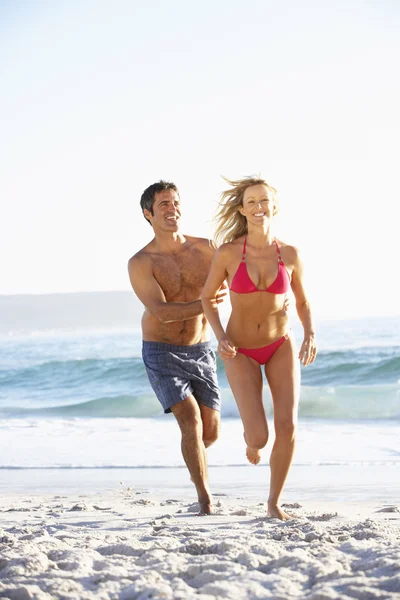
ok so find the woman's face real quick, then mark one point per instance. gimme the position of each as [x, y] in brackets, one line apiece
[258, 204]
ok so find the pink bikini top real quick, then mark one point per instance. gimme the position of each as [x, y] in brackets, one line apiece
[242, 284]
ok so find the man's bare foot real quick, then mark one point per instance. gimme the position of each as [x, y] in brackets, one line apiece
[205, 509]
[275, 512]
[253, 455]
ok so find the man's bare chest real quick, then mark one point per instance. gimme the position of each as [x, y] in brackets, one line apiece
[182, 275]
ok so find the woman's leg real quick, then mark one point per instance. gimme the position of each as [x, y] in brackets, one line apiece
[245, 378]
[283, 376]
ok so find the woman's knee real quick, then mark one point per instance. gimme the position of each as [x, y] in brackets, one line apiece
[285, 429]
[256, 439]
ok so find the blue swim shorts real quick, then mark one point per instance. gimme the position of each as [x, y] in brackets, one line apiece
[176, 372]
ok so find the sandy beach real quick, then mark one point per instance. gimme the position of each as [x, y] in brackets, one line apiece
[130, 544]
[96, 501]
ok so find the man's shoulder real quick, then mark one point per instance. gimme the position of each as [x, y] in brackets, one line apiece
[202, 244]
[142, 257]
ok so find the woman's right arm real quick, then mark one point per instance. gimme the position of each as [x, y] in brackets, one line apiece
[215, 279]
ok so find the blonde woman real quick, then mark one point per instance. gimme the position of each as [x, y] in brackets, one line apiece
[259, 270]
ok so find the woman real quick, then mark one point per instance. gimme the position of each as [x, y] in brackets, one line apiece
[259, 270]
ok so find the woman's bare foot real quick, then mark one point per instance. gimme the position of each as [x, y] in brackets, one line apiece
[253, 455]
[275, 512]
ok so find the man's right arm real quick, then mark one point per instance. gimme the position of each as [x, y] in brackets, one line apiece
[152, 296]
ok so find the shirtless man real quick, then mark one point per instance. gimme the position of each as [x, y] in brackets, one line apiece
[168, 276]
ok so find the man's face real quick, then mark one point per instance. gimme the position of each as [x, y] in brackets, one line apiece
[166, 209]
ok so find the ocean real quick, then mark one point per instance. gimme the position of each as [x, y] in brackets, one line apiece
[75, 399]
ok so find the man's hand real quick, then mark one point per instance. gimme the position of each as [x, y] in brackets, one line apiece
[220, 295]
[286, 304]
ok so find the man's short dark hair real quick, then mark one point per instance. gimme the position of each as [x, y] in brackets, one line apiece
[149, 194]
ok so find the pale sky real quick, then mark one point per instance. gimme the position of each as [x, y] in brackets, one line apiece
[100, 99]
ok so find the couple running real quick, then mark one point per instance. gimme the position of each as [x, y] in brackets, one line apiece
[181, 280]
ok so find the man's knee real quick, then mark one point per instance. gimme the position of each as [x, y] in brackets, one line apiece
[188, 415]
[211, 419]
[210, 434]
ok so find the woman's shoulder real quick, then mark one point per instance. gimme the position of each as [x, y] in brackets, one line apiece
[230, 248]
[289, 252]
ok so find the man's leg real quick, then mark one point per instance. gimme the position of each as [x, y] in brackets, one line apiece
[189, 418]
[211, 424]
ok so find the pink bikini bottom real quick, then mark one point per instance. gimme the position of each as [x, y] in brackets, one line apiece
[264, 354]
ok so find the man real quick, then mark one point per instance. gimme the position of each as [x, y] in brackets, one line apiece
[168, 275]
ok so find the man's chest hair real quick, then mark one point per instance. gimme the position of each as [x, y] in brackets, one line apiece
[175, 271]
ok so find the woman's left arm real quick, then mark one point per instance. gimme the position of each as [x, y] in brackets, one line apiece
[308, 350]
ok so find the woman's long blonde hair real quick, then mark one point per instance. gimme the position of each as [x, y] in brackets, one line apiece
[231, 224]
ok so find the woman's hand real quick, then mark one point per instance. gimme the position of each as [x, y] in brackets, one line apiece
[226, 349]
[308, 350]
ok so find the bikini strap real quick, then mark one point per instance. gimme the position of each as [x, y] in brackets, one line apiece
[278, 252]
[244, 250]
